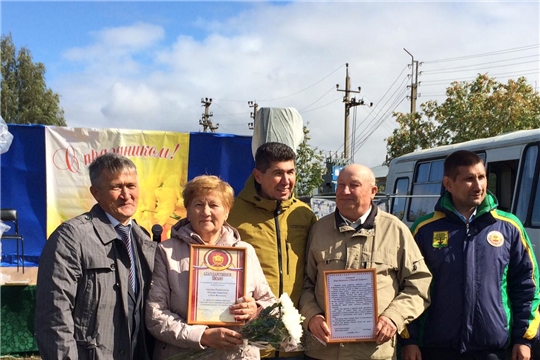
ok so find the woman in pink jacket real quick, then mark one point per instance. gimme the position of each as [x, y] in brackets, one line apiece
[208, 200]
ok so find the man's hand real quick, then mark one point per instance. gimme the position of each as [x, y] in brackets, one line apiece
[318, 327]
[221, 338]
[521, 352]
[385, 329]
[411, 352]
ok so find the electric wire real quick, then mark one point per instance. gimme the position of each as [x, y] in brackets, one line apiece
[313, 103]
[505, 51]
[376, 122]
[486, 63]
[381, 107]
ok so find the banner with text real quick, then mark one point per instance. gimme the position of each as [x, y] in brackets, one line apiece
[161, 158]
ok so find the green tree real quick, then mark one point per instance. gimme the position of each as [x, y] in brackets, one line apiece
[414, 133]
[310, 167]
[473, 110]
[25, 98]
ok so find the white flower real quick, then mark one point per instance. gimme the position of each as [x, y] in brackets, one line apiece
[291, 318]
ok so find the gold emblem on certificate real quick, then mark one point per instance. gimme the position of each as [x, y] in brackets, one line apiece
[216, 281]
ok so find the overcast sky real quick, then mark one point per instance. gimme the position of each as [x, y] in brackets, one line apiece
[146, 65]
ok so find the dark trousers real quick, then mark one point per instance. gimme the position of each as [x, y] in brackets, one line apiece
[451, 354]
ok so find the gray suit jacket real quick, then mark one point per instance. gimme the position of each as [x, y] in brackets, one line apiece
[82, 290]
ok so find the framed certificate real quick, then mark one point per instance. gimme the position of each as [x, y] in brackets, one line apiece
[216, 281]
[351, 304]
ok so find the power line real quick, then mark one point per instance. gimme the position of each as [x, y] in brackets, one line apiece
[332, 88]
[478, 68]
[309, 87]
[497, 75]
[486, 63]
[287, 96]
[393, 98]
[384, 112]
[320, 107]
[505, 51]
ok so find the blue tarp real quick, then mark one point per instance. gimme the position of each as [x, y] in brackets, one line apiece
[23, 181]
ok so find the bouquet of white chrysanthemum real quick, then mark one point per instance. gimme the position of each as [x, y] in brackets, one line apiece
[277, 327]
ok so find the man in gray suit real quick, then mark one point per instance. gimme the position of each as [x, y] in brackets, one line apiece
[94, 273]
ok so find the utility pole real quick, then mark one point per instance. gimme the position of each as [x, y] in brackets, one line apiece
[252, 115]
[414, 82]
[349, 103]
[205, 121]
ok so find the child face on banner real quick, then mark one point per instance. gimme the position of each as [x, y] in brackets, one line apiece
[117, 194]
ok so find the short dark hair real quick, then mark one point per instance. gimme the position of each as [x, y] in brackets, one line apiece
[457, 159]
[271, 152]
[114, 163]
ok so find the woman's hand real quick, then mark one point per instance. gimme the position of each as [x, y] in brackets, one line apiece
[244, 309]
[221, 338]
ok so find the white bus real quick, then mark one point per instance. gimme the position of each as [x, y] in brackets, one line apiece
[414, 181]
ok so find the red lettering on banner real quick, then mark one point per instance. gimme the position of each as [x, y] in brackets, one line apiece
[164, 152]
[134, 151]
[88, 158]
[66, 159]
[174, 152]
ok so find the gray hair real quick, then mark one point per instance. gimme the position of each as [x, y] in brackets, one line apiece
[114, 163]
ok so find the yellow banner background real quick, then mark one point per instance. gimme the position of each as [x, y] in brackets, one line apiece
[162, 167]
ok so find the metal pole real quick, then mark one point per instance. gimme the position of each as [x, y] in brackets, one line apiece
[413, 85]
[347, 100]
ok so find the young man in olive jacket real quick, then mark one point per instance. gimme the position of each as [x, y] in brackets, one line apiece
[270, 218]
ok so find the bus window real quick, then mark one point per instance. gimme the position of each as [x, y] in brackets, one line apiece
[502, 181]
[398, 203]
[428, 181]
[535, 218]
[528, 174]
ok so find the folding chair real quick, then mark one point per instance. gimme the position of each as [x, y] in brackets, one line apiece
[10, 215]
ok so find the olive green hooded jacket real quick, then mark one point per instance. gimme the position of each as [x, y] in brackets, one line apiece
[278, 230]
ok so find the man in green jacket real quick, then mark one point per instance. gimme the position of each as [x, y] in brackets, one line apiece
[270, 218]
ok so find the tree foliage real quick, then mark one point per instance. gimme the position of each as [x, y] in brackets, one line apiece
[473, 110]
[25, 98]
[310, 167]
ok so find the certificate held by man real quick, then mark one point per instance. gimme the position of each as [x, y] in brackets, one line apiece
[216, 281]
[351, 304]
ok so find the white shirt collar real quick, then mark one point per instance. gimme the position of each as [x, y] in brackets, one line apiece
[115, 222]
[359, 221]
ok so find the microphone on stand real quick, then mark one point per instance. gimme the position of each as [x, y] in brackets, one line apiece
[157, 230]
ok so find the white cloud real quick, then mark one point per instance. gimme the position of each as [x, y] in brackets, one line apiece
[137, 37]
[131, 100]
[133, 80]
[117, 51]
